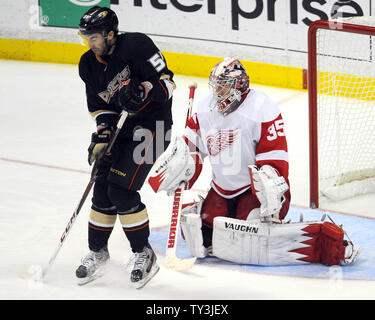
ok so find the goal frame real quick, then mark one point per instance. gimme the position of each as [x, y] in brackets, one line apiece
[333, 26]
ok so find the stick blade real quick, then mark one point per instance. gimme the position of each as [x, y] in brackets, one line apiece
[178, 264]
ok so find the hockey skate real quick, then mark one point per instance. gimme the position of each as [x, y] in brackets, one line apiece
[144, 268]
[92, 266]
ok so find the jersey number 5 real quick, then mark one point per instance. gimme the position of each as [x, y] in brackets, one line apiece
[275, 130]
[157, 61]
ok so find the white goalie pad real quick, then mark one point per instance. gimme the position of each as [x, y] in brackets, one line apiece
[269, 188]
[175, 167]
[252, 242]
[264, 243]
[191, 227]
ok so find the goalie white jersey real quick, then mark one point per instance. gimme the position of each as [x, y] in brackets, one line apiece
[251, 135]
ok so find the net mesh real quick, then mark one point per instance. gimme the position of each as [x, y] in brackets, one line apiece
[345, 104]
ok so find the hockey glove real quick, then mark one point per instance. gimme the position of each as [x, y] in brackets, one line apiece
[269, 188]
[133, 94]
[99, 141]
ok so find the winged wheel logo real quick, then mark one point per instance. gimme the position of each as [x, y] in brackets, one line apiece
[220, 140]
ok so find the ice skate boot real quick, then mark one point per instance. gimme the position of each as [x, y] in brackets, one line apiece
[92, 266]
[145, 267]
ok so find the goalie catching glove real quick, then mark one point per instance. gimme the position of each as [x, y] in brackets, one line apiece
[178, 166]
[269, 187]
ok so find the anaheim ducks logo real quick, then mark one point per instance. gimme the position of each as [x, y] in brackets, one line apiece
[116, 83]
[220, 140]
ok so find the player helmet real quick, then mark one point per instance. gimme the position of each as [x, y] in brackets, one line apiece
[229, 82]
[98, 20]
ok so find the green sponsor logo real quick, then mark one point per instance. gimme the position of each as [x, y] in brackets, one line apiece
[66, 13]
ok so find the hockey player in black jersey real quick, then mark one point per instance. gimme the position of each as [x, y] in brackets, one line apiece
[122, 72]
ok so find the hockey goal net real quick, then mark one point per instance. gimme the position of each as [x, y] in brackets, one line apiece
[341, 108]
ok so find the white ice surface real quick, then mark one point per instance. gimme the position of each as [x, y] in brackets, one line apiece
[44, 134]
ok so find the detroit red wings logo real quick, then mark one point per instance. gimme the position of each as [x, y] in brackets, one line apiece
[220, 141]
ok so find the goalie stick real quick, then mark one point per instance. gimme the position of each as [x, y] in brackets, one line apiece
[72, 219]
[172, 261]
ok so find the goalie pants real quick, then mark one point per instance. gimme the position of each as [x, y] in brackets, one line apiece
[121, 175]
[240, 207]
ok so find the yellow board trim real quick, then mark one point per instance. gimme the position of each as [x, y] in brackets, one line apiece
[41, 51]
[179, 63]
[260, 73]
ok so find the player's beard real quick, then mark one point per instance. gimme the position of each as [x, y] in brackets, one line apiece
[101, 51]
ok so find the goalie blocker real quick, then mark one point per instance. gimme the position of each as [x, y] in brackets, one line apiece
[177, 166]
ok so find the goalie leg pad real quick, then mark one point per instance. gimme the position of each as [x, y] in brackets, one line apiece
[254, 242]
[191, 227]
[331, 244]
[326, 244]
[239, 241]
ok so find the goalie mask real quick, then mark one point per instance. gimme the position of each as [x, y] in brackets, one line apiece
[229, 82]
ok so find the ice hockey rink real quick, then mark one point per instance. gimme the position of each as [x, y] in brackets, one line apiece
[45, 131]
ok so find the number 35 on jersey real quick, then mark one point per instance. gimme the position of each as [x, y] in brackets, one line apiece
[275, 130]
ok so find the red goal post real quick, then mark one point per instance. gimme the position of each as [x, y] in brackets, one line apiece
[352, 92]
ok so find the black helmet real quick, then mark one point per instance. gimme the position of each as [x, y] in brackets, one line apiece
[98, 20]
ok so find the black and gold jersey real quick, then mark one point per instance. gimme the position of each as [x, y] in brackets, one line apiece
[135, 56]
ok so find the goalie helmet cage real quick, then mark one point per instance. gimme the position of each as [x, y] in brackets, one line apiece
[341, 88]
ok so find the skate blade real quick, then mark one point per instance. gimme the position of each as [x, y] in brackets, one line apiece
[140, 284]
[93, 277]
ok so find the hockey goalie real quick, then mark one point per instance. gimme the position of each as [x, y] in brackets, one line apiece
[242, 218]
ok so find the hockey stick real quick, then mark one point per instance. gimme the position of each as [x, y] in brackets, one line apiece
[94, 172]
[172, 261]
